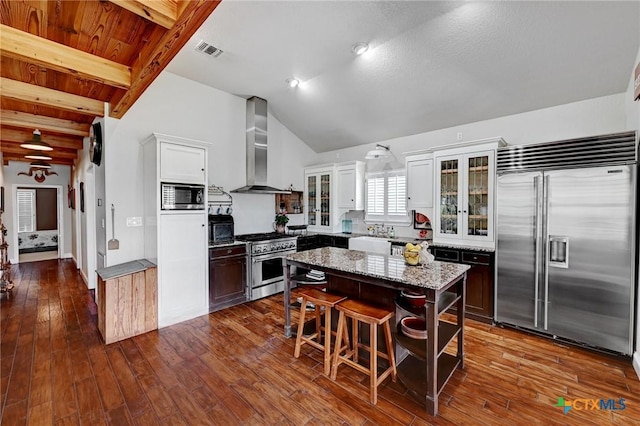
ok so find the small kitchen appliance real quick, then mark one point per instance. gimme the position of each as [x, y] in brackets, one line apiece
[221, 228]
[182, 196]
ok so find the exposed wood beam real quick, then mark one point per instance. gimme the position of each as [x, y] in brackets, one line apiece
[31, 48]
[161, 12]
[12, 157]
[154, 59]
[14, 148]
[42, 122]
[13, 89]
[19, 136]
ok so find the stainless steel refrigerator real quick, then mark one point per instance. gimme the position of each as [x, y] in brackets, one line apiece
[566, 247]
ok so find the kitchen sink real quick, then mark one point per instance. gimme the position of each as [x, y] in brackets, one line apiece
[370, 244]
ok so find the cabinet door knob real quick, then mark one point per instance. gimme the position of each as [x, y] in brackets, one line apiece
[408, 198]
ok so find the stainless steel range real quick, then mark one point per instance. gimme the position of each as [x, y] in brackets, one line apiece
[265, 260]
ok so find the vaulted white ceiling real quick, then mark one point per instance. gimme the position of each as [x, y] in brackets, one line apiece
[431, 65]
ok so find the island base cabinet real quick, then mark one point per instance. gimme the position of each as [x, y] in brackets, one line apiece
[127, 305]
[417, 358]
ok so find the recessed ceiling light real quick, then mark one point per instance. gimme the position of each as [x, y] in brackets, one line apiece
[293, 82]
[360, 48]
[37, 156]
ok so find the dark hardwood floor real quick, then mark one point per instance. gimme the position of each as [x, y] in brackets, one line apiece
[235, 367]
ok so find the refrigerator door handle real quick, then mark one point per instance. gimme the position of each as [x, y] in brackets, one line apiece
[536, 241]
[545, 206]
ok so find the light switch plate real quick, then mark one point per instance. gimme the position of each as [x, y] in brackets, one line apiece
[134, 221]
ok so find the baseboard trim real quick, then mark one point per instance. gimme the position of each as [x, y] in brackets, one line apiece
[636, 363]
[67, 256]
[84, 277]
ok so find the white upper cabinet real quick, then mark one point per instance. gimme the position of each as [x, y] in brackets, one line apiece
[320, 198]
[351, 185]
[419, 181]
[465, 195]
[182, 164]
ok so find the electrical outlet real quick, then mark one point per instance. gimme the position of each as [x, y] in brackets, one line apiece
[134, 221]
[102, 223]
[459, 136]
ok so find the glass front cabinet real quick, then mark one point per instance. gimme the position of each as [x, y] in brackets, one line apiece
[320, 198]
[465, 197]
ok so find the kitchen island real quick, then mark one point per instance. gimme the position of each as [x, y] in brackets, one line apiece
[378, 279]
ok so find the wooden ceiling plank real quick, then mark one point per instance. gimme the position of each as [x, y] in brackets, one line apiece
[153, 59]
[18, 90]
[20, 135]
[33, 121]
[15, 157]
[30, 48]
[161, 12]
[14, 148]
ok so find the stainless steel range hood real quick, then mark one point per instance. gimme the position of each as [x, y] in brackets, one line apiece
[257, 149]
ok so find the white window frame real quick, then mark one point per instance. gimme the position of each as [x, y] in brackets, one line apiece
[25, 217]
[400, 219]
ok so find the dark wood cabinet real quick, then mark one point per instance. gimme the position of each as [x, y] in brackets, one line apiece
[334, 241]
[227, 276]
[308, 242]
[480, 279]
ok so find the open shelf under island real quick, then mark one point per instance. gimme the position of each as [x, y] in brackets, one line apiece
[378, 279]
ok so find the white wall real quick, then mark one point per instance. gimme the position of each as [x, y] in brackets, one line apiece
[176, 106]
[83, 222]
[585, 118]
[11, 180]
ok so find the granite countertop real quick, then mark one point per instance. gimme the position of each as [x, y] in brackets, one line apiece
[123, 269]
[461, 247]
[226, 244]
[434, 276]
[398, 240]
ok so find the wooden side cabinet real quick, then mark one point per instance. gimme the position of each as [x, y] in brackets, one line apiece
[127, 300]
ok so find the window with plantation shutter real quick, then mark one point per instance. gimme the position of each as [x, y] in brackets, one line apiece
[26, 210]
[387, 197]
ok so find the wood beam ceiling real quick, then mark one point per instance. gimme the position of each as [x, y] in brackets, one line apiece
[37, 50]
[61, 61]
[161, 12]
[17, 136]
[154, 58]
[34, 94]
[13, 157]
[42, 122]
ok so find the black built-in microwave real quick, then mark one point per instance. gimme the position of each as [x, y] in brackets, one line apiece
[182, 196]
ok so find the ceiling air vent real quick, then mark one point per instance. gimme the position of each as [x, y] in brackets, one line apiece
[208, 49]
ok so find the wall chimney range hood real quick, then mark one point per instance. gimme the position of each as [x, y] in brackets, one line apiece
[257, 150]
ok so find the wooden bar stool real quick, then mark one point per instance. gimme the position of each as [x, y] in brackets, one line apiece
[360, 311]
[319, 299]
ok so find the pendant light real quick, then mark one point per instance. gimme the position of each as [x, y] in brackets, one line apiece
[36, 144]
[40, 165]
[38, 155]
[381, 151]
